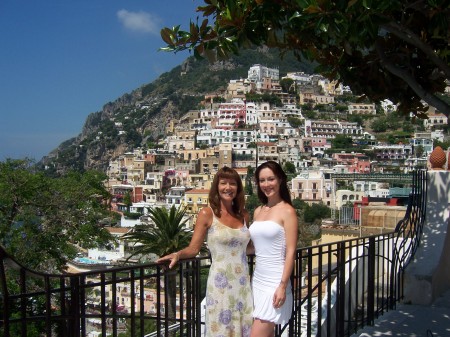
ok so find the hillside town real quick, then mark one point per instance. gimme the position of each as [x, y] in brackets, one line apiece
[232, 131]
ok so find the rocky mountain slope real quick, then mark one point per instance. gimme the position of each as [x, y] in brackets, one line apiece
[140, 116]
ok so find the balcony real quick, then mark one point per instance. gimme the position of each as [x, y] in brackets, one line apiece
[339, 288]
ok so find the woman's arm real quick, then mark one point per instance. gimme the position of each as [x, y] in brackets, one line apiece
[204, 220]
[290, 224]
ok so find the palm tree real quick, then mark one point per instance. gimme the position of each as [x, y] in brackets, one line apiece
[167, 234]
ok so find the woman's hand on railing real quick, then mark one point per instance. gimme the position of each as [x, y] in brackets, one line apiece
[173, 258]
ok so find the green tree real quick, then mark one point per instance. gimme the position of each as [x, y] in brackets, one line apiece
[383, 49]
[295, 122]
[127, 201]
[379, 124]
[445, 144]
[249, 180]
[251, 203]
[298, 204]
[356, 119]
[393, 120]
[43, 220]
[316, 212]
[419, 151]
[310, 114]
[391, 139]
[287, 85]
[289, 168]
[166, 235]
[342, 142]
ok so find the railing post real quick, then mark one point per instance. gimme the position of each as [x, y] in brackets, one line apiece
[198, 300]
[340, 296]
[23, 302]
[74, 305]
[371, 258]
[4, 300]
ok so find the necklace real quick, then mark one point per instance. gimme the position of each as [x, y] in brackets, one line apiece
[266, 206]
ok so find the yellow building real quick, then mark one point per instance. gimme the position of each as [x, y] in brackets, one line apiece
[194, 200]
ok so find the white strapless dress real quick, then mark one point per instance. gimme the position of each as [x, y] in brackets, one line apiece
[270, 249]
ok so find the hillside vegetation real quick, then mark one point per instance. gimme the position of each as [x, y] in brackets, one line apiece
[144, 112]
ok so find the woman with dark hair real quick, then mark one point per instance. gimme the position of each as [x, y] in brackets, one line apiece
[274, 234]
[224, 225]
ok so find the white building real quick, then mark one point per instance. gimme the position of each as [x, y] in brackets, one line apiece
[290, 110]
[366, 109]
[257, 73]
[435, 120]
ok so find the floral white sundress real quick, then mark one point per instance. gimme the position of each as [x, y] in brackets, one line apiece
[229, 302]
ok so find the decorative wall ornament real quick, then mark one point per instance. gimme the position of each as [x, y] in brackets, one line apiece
[448, 159]
[438, 158]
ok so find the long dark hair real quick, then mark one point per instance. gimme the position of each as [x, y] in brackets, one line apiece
[214, 198]
[279, 173]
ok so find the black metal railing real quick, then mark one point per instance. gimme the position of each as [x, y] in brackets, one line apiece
[338, 289]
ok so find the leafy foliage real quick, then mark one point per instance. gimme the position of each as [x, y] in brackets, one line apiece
[268, 98]
[251, 203]
[379, 124]
[295, 122]
[342, 142]
[167, 235]
[316, 212]
[383, 49]
[43, 219]
[149, 326]
[289, 168]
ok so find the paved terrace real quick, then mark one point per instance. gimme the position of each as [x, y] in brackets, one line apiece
[425, 311]
[413, 320]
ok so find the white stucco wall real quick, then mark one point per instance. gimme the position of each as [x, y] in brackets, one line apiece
[428, 276]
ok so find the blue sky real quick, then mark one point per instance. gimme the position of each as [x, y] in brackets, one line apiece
[61, 60]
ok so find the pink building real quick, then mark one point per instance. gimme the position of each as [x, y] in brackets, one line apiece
[355, 162]
[231, 115]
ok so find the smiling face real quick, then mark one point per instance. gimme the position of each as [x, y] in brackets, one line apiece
[269, 183]
[227, 188]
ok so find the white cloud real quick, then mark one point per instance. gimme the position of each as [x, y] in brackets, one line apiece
[139, 21]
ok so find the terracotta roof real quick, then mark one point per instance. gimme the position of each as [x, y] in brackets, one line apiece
[118, 230]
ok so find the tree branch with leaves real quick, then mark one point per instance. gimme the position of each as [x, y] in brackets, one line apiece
[396, 50]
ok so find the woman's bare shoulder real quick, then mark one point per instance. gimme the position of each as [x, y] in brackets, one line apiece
[206, 211]
[256, 211]
[205, 217]
[287, 207]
